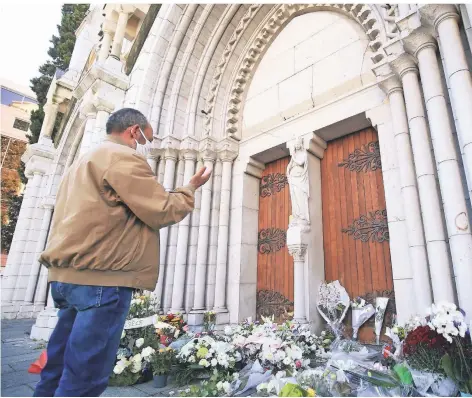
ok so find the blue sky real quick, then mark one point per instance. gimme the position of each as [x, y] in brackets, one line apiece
[25, 30]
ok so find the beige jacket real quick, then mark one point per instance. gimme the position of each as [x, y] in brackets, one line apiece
[105, 228]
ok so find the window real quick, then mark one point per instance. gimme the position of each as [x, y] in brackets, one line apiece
[21, 124]
[9, 96]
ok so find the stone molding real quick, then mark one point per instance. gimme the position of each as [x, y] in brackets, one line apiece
[277, 19]
[254, 168]
[207, 150]
[227, 150]
[221, 65]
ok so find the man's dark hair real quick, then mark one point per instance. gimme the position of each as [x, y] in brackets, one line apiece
[120, 120]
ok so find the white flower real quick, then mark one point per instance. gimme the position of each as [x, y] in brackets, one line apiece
[147, 352]
[226, 387]
[203, 362]
[287, 361]
[171, 393]
[214, 362]
[187, 390]
[118, 369]
[192, 359]
[137, 358]
[139, 342]
[123, 334]
[235, 376]
[136, 367]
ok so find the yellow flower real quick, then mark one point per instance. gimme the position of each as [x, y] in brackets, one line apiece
[169, 349]
[311, 392]
[161, 350]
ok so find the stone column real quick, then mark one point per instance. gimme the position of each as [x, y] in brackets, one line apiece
[106, 43]
[427, 185]
[14, 262]
[172, 244]
[34, 272]
[192, 250]
[213, 242]
[450, 182]
[170, 158]
[119, 34]
[298, 251]
[104, 109]
[196, 316]
[227, 157]
[50, 113]
[189, 158]
[152, 162]
[409, 192]
[444, 18]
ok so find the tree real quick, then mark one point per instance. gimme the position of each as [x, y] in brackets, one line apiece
[8, 229]
[60, 53]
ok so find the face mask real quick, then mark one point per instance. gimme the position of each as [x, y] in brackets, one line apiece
[138, 145]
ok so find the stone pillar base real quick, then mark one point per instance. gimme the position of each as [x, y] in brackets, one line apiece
[28, 311]
[10, 310]
[222, 317]
[45, 324]
[195, 318]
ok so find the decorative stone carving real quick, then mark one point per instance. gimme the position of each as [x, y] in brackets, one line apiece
[272, 183]
[298, 252]
[373, 227]
[364, 159]
[270, 302]
[221, 65]
[274, 22]
[271, 240]
[297, 176]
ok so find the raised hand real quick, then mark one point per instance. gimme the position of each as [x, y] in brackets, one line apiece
[200, 177]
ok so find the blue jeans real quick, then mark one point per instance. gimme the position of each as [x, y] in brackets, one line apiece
[82, 348]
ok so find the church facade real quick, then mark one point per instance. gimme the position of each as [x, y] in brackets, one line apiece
[341, 142]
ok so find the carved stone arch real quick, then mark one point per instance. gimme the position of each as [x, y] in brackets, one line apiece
[72, 128]
[365, 15]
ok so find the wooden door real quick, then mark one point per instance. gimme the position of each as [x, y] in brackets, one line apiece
[274, 263]
[355, 230]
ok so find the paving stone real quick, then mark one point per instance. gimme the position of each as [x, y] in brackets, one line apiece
[24, 357]
[7, 369]
[123, 392]
[147, 388]
[19, 391]
[21, 366]
[18, 378]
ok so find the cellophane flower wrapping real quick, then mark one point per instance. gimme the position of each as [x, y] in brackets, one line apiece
[380, 308]
[333, 303]
[360, 315]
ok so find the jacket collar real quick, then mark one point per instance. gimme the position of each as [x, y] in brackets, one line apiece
[115, 140]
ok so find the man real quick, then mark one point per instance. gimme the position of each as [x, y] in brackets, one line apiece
[104, 241]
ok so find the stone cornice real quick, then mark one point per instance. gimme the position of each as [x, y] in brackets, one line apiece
[254, 168]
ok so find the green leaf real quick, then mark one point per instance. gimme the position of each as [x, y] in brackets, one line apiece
[448, 366]
[292, 390]
[404, 374]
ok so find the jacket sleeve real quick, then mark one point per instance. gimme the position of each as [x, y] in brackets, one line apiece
[132, 179]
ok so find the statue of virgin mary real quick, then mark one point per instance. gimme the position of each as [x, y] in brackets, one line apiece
[297, 175]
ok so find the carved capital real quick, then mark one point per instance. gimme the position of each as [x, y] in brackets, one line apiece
[434, 14]
[227, 150]
[417, 40]
[207, 150]
[189, 143]
[298, 252]
[171, 153]
[403, 64]
[188, 154]
[391, 84]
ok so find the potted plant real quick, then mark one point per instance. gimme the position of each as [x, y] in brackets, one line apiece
[161, 362]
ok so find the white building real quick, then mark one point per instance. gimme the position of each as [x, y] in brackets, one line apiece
[379, 97]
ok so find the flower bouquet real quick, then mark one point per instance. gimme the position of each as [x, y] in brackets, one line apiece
[361, 312]
[333, 303]
[209, 320]
[380, 308]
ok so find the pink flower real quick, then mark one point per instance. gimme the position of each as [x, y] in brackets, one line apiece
[185, 328]
[298, 364]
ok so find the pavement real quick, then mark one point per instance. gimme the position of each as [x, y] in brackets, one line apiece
[19, 351]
